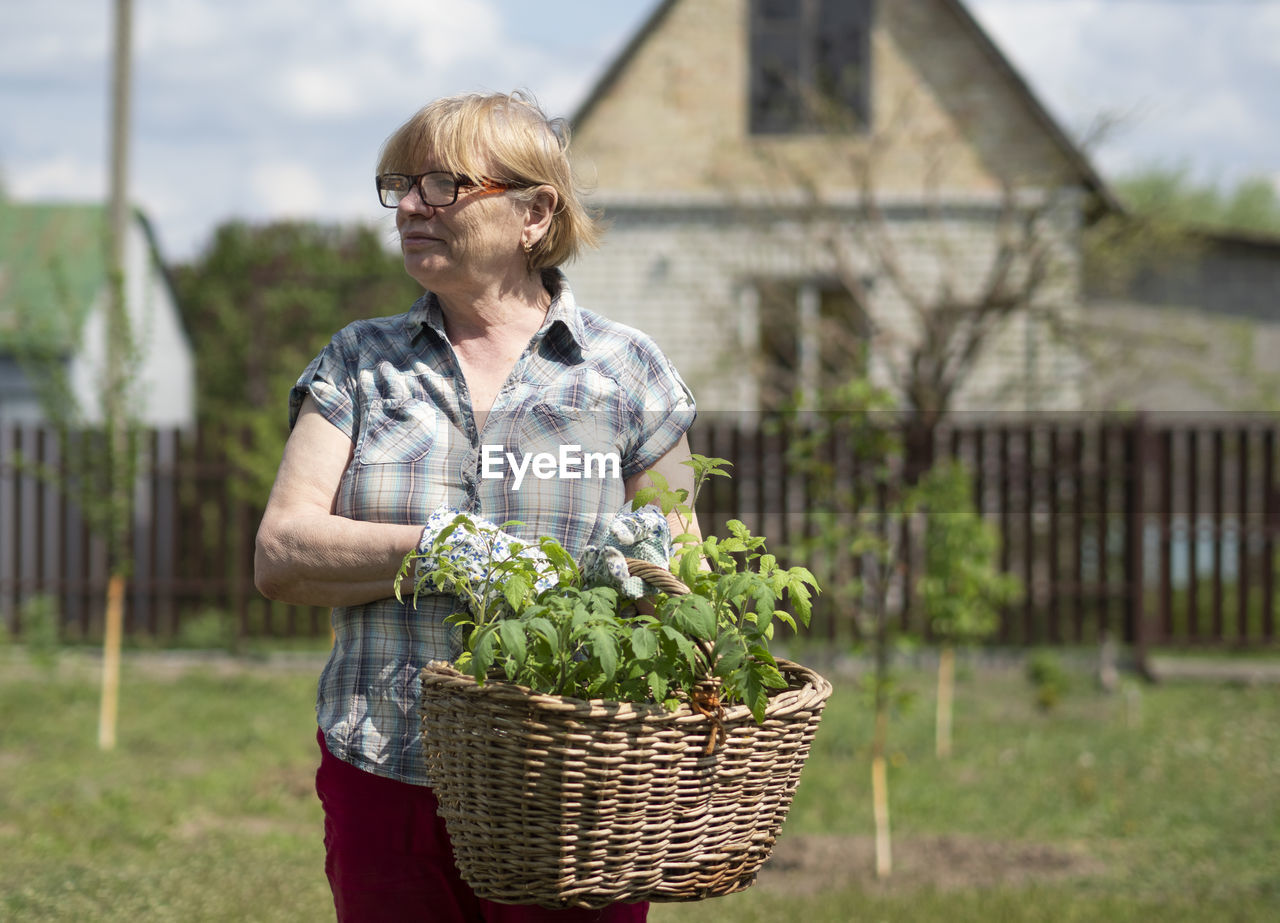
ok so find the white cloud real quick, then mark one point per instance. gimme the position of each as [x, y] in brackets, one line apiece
[1264, 36]
[1188, 82]
[163, 26]
[52, 37]
[65, 177]
[258, 108]
[287, 188]
[440, 36]
[314, 91]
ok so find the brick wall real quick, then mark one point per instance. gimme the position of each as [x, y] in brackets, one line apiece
[681, 274]
[675, 119]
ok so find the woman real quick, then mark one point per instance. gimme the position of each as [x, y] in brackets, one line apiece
[441, 406]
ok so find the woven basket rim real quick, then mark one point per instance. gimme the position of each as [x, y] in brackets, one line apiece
[781, 702]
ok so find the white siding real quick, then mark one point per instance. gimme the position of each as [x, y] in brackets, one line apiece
[680, 274]
[164, 376]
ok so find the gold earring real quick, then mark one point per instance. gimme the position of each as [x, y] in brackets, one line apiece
[528, 246]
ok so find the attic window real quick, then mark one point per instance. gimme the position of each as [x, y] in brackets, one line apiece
[810, 65]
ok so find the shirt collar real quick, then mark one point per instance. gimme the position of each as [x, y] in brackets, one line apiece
[563, 315]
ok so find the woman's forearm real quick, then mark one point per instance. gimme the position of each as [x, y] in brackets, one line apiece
[318, 559]
[305, 554]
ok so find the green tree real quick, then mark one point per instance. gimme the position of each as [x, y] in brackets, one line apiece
[857, 543]
[869, 521]
[260, 302]
[1172, 194]
[962, 588]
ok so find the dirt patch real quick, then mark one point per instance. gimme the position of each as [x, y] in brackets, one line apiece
[296, 782]
[810, 864]
[199, 824]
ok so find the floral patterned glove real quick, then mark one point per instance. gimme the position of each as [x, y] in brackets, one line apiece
[643, 534]
[476, 544]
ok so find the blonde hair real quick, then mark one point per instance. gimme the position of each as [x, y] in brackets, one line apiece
[505, 138]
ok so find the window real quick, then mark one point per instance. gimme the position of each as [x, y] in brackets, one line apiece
[812, 338]
[810, 61]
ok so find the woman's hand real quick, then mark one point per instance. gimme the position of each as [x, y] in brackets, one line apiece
[304, 553]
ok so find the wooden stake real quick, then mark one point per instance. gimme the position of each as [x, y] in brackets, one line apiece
[111, 663]
[946, 699]
[880, 802]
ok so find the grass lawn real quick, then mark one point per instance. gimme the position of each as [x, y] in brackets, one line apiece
[1163, 804]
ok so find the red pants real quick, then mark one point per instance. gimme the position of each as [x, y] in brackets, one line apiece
[388, 857]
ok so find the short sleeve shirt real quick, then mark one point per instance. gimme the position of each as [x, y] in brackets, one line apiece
[588, 404]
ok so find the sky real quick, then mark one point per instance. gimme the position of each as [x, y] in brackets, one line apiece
[264, 109]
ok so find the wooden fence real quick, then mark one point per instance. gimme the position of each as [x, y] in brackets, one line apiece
[192, 543]
[1160, 530]
[1157, 529]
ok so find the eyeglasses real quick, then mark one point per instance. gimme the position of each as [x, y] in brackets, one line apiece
[436, 188]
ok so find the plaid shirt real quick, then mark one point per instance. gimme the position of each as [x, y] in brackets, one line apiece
[589, 403]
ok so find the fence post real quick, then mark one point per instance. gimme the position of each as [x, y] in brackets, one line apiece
[1135, 536]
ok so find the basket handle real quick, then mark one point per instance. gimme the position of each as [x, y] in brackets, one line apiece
[657, 575]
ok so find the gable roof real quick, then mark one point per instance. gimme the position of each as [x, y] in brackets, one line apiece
[620, 63]
[1092, 179]
[53, 270]
[1105, 200]
[53, 265]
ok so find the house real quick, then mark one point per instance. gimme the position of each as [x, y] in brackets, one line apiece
[768, 238]
[53, 307]
[1198, 318]
[792, 185]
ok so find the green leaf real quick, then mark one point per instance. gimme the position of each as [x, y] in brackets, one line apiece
[730, 653]
[772, 677]
[690, 564]
[482, 653]
[546, 631]
[694, 616]
[603, 601]
[514, 589]
[605, 649]
[757, 699]
[683, 644]
[561, 561]
[514, 640]
[783, 616]
[765, 600]
[644, 497]
[644, 643]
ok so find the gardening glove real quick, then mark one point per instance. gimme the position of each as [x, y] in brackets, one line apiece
[643, 534]
[469, 547]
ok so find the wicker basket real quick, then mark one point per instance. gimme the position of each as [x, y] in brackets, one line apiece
[568, 803]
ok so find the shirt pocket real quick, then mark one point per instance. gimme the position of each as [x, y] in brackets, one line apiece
[398, 431]
[546, 428]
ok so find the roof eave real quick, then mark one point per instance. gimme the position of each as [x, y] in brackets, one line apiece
[1107, 201]
[620, 62]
